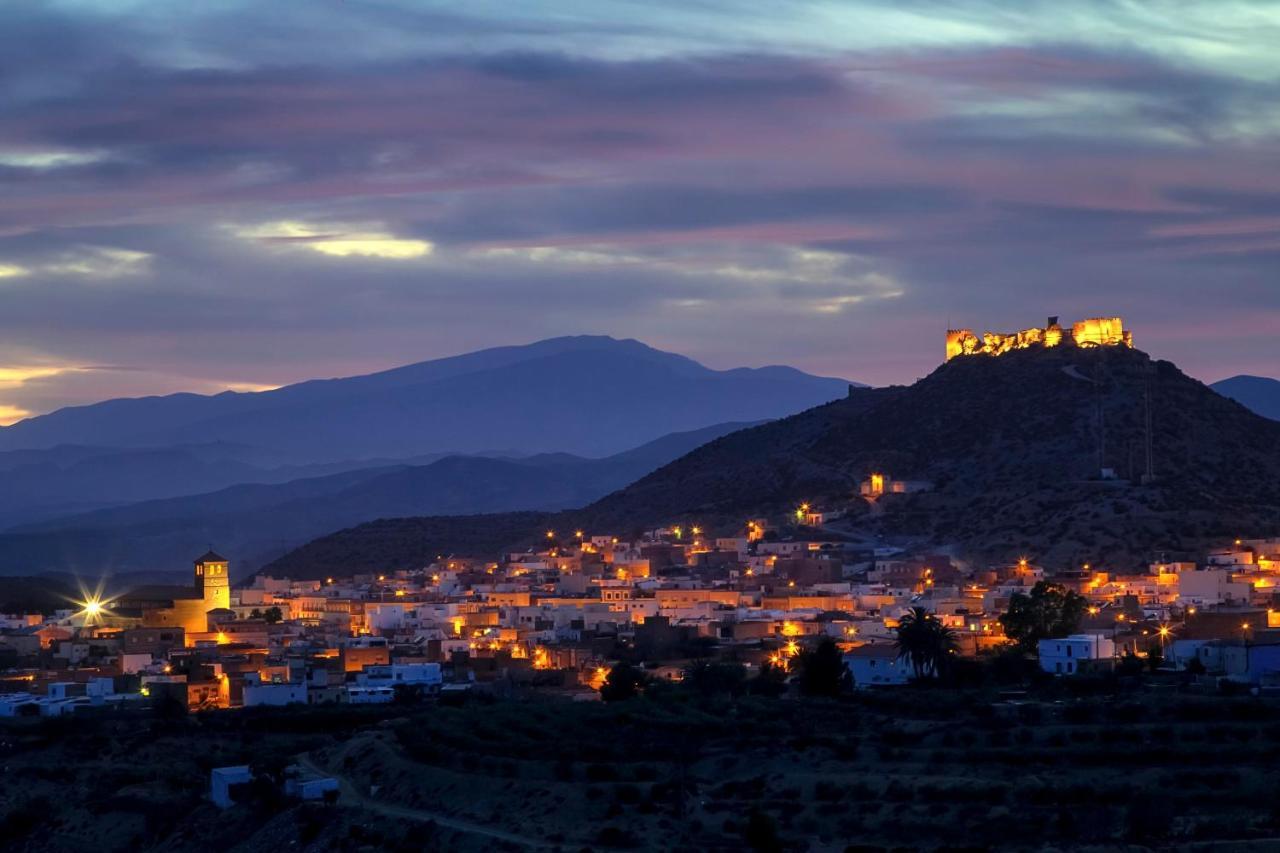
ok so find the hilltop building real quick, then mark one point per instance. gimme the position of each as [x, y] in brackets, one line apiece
[186, 607]
[879, 484]
[1093, 332]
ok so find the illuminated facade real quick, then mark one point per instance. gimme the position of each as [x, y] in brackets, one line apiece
[878, 484]
[184, 607]
[1095, 331]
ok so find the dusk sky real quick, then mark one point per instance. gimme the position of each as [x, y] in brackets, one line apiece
[201, 196]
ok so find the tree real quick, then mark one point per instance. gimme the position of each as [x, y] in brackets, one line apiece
[772, 682]
[623, 682]
[822, 671]
[273, 615]
[925, 642]
[1051, 610]
[1130, 664]
[714, 679]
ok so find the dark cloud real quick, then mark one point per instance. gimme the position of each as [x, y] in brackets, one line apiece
[741, 201]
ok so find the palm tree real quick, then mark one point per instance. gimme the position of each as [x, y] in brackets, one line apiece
[925, 641]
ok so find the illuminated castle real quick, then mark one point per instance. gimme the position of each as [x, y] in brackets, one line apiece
[1094, 332]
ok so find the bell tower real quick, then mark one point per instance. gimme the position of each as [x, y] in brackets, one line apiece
[212, 581]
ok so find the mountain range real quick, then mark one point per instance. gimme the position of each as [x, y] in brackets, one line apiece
[139, 485]
[1259, 393]
[1039, 453]
[80, 471]
[591, 396]
[251, 523]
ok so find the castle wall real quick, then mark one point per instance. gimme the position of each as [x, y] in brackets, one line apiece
[1096, 331]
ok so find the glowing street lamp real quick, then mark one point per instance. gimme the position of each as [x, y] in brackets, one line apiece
[92, 606]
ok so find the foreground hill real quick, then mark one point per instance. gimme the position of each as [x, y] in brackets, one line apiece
[592, 396]
[1258, 393]
[252, 523]
[1015, 447]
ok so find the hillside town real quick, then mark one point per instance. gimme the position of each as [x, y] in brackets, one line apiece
[559, 617]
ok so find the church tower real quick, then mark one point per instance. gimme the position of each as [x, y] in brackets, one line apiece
[213, 581]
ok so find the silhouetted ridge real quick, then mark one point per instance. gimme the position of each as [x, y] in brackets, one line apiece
[1015, 446]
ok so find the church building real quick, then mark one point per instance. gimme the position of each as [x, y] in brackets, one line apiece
[186, 607]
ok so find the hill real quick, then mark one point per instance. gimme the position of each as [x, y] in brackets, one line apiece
[67, 480]
[252, 523]
[592, 396]
[1014, 445]
[1258, 393]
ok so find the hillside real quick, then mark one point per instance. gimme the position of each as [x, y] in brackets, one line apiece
[1259, 393]
[1013, 447]
[67, 480]
[592, 396]
[252, 523]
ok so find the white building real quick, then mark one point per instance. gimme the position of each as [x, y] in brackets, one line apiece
[358, 695]
[877, 665]
[1076, 653]
[220, 781]
[275, 694]
[1211, 586]
[12, 704]
[428, 675]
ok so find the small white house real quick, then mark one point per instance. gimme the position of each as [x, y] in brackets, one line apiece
[16, 704]
[288, 693]
[877, 665]
[358, 695]
[428, 675]
[1076, 653]
[220, 781]
[305, 785]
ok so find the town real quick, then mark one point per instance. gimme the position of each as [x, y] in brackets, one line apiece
[560, 617]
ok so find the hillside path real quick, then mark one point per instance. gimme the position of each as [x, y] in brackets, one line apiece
[352, 794]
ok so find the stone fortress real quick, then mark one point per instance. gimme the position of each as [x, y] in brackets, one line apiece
[1094, 332]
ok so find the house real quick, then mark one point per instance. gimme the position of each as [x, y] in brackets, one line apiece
[1253, 663]
[277, 694]
[877, 665]
[878, 484]
[426, 675]
[1076, 653]
[19, 704]
[305, 785]
[221, 779]
[358, 695]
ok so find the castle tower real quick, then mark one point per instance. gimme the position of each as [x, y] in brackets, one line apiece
[212, 581]
[960, 342]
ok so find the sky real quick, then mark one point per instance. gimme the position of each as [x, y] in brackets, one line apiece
[239, 195]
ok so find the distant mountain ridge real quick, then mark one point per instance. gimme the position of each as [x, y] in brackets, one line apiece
[1014, 445]
[587, 395]
[1259, 393]
[251, 523]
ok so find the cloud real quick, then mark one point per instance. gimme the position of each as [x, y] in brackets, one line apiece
[340, 242]
[281, 191]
